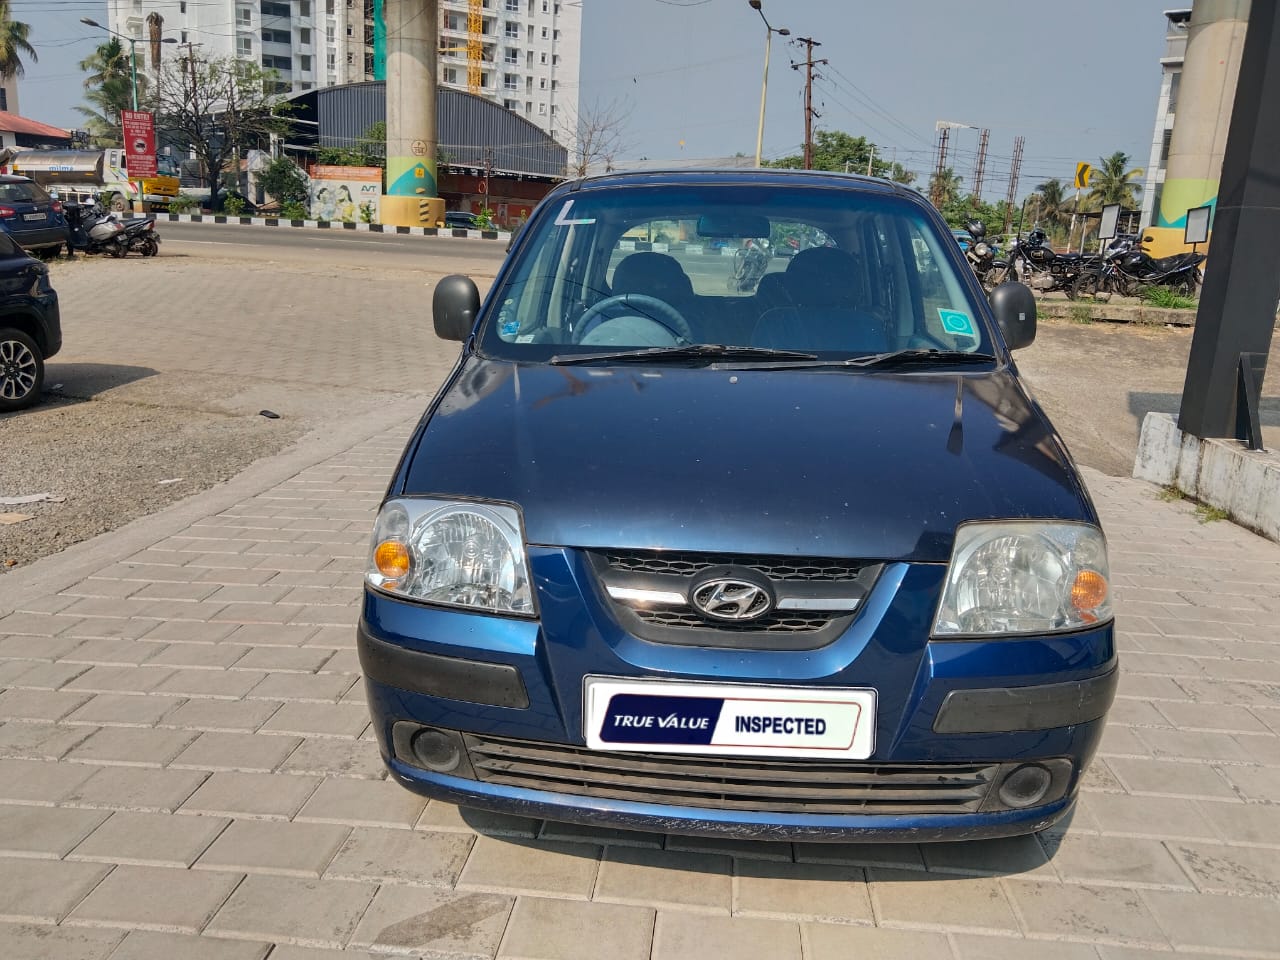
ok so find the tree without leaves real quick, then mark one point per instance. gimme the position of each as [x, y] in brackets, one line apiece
[14, 44]
[597, 135]
[219, 107]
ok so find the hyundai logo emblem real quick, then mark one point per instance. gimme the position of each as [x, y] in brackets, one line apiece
[730, 599]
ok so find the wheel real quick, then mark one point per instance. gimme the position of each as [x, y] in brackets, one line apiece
[635, 304]
[21, 370]
[49, 253]
[150, 247]
[999, 273]
[118, 249]
[118, 202]
[1189, 285]
[1091, 286]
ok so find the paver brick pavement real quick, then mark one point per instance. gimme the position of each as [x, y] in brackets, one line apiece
[194, 764]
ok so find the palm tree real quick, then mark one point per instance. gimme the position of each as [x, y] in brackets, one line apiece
[108, 89]
[1112, 183]
[14, 44]
[944, 187]
[1051, 205]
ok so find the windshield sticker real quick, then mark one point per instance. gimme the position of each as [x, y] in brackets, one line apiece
[960, 324]
[562, 218]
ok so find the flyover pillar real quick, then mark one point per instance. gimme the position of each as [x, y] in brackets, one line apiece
[1206, 93]
[412, 28]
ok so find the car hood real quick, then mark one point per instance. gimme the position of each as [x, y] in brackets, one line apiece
[781, 462]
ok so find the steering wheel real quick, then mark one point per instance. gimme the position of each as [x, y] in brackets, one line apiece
[631, 305]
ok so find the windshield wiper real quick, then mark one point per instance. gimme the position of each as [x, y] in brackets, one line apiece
[887, 361]
[690, 351]
[902, 358]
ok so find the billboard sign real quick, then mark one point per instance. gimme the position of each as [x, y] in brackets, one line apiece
[139, 129]
[346, 194]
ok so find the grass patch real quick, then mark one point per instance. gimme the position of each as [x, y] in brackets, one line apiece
[1169, 494]
[1208, 514]
[1167, 299]
[1080, 314]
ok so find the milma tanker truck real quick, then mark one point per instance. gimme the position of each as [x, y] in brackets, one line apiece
[77, 174]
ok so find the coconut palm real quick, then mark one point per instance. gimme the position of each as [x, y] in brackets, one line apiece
[14, 44]
[108, 89]
[1112, 183]
[944, 187]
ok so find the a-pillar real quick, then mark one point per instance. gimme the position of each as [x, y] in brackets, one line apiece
[412, 41]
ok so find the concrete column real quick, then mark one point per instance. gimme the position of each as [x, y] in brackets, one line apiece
[1215, 42]
[413, 28]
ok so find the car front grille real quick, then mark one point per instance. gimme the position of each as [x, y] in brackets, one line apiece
[779, 621]
[685, 563]
[732, 783]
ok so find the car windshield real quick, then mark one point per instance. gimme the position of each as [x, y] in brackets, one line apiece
[22, 192]
[832, 272]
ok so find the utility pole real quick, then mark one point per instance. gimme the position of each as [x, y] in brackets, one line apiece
[809, 112]
[935, 188]
[981, 167]
[1014, 171]
[871, 159]
[488, 173]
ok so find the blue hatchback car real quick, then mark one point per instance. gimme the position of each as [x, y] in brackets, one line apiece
[804, 562]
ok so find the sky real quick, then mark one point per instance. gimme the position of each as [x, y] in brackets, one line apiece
[1078, 81]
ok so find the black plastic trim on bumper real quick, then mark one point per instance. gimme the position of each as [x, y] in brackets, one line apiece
[1041, 707]
[472, 681]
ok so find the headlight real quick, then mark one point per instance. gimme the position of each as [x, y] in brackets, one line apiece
[451, 552]
[1025, 577]
[982, 250]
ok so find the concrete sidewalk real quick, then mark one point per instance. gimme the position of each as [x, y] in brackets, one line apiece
[187, 772]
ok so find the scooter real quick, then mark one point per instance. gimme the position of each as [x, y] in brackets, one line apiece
[140, 233]
[90, 230]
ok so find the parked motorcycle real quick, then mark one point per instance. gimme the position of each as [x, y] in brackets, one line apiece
[982, 258]
[93, 230]
[749, 265]
[141, 235]
[1127, 268]
[1036, 265]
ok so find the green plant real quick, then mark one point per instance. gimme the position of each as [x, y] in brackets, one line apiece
[284, 181]
[484, 219]
[233, 206]
[1169, 494]
[1208, 514]
[1080, 314]
[183, 203]
[293, 210]
[1167, 298]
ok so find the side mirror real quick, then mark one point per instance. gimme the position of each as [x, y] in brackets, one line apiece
[454, 306]
[1015, 308]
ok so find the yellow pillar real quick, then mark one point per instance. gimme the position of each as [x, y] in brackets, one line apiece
[412, 40]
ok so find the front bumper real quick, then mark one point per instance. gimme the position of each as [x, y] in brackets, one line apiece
[996, 704]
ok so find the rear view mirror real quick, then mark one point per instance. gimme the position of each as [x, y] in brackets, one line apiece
[1015, 308]
[728, 226]
[454, 306]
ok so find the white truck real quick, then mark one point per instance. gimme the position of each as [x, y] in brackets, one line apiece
[77, 174]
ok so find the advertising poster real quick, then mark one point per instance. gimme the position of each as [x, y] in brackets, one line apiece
[346, 194]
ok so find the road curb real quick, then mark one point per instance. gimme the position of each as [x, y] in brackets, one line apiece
[52, 574]
[338, 225]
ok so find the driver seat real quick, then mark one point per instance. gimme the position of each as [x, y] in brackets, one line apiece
[655, 275]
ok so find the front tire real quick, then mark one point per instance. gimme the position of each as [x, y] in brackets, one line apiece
[21, 370]
[118, 202]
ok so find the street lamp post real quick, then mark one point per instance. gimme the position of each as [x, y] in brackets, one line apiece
[764, 87]
[133, 75]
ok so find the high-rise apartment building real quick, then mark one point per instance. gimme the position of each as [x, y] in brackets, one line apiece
[530, 49]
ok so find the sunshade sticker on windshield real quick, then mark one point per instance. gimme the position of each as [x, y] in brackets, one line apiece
[958, 323]
[562, 218]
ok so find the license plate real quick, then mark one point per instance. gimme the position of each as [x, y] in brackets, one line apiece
[34, 216]
[741, 720]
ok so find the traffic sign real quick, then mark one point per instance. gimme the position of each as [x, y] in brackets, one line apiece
[1083, 172]
[139, 129]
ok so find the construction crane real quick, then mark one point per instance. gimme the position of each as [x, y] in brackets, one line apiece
[475, 49]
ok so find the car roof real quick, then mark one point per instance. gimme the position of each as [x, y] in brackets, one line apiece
[14, 178]
[741, 176]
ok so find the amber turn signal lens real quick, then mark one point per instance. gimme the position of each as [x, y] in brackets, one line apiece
[391, 557]
[1089, 591]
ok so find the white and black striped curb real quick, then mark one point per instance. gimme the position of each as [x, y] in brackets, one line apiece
[335, 225]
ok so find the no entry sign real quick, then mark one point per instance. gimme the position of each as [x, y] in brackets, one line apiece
[139, 130]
